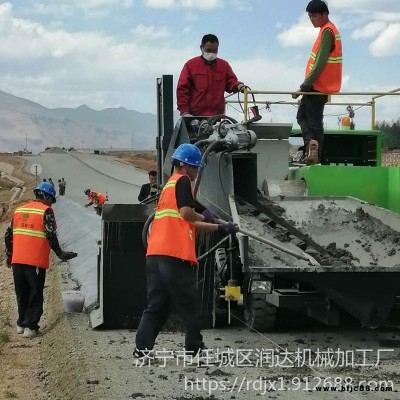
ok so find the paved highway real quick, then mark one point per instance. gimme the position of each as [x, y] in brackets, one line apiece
[97, 172]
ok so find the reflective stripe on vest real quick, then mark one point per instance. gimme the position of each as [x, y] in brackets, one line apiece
[30, 245]
[171, 235]
[330, 78]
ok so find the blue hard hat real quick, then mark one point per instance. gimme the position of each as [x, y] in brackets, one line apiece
[47, 188]
[188, 154]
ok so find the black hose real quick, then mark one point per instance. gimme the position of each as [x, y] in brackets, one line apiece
[203, 161]
[145, 231]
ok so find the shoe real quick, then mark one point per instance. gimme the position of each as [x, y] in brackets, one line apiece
[20, 329]
[30, 333]
[312, 156]
[143, 357]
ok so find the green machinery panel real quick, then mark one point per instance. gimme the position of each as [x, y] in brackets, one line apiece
[351, 166]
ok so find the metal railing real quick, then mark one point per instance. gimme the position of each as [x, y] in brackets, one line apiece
[372, 103]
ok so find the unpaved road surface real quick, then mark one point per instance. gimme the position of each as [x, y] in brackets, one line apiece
[296, 361]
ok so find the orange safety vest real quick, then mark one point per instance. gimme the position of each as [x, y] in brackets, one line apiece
[97, 198]
[30, 245]
[330, 78]
[171, 235]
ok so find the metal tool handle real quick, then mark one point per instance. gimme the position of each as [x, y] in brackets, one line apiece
[301, 255]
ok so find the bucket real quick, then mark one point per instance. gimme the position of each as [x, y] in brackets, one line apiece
[73, 301]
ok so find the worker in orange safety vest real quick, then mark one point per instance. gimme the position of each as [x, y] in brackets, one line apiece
[28, 241]
[171, 263]
[96, 198]
[323, 75]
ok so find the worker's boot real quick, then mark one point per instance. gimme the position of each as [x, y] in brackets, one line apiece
[312, 156]
[144, 357]
[30, 333]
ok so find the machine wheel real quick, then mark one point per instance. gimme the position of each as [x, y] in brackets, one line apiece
[258, 313]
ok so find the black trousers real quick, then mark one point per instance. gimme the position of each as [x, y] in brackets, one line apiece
[29, 286]
[98, 209]
[310, 117]
[169, 281]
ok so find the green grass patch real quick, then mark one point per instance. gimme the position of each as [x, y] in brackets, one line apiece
[4, 337]
[9, 394]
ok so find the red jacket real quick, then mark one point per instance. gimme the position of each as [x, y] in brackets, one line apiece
[201, 86]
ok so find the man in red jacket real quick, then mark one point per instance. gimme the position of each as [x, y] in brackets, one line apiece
[204, 80]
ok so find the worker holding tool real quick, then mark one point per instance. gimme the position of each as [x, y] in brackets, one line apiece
[28, 241]
[96, 198]
[171, 258]
[204, 80]
[324, 75]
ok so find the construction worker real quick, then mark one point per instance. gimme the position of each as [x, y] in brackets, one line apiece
[324, 75]
[204, 80]
[28, 241]
[61, 187]
[171, 260]
[150, 189]
[96, 198]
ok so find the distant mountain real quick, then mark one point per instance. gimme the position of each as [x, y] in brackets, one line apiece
[25, 122]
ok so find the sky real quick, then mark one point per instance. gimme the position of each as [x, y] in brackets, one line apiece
[109, 53]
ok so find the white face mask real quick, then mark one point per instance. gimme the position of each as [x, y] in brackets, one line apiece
[209, 56]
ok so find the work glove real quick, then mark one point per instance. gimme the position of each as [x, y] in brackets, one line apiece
[8, 261]
[86, 205]
[209, 216]
[67, 255]
[240, 87]
[228, 227]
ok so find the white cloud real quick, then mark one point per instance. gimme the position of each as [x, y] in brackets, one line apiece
[300, 34]
[204, 5]
[151, 32]
[56, 67]
[91, 8]
[370, 30]
[387, 43]
[357, 6]
[386, 16]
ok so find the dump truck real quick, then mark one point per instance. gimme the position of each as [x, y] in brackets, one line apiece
[308, 242]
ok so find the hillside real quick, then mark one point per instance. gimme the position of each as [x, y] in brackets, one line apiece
[23, 121]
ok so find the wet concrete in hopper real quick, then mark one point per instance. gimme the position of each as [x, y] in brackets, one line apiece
[352, 237]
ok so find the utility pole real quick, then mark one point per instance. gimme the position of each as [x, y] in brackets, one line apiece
[26, 143]
[132, 142]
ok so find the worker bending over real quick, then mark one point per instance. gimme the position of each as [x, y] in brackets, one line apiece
[96, 198]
